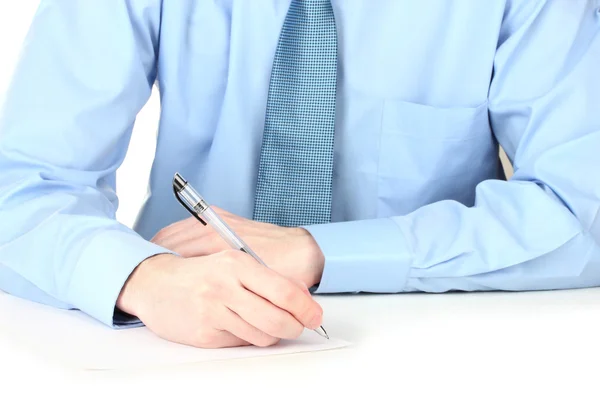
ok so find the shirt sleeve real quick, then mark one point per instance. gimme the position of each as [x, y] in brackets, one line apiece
[540, 229]
[84, 73]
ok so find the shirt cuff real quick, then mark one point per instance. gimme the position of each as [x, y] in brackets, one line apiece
[363, 256]
[102, 270]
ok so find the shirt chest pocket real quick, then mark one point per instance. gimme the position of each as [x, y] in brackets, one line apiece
[431, 153]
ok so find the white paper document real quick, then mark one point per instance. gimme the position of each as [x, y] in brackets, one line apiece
[84, 343]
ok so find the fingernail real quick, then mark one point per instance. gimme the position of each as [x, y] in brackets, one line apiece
[316, 321]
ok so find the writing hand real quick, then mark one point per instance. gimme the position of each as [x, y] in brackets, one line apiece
[222, 300]
[293, 252]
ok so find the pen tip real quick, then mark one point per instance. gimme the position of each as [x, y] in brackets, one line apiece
[321, 331]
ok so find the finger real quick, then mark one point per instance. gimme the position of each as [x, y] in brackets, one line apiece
[265, 316]
[279, 290]
[301, 285]
[221, 339]
[241, 329]
[175, 228]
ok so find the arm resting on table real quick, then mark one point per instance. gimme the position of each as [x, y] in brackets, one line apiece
[84, 74]
[540, 229]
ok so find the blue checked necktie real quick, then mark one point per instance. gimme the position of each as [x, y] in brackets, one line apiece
[296, 159]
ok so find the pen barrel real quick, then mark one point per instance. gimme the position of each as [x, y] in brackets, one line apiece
[211, 217]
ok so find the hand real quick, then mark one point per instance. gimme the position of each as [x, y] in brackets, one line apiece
[293, 252]
[223, 300]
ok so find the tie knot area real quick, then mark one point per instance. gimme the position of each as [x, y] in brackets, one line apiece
[311, 8]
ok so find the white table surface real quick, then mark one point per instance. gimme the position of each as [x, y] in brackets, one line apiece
[535, 342]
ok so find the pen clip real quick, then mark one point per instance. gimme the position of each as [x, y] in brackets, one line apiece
[191, 211]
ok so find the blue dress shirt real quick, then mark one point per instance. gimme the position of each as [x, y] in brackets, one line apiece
[427, 91]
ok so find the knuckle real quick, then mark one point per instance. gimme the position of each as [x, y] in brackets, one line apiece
[209, 290]
[204, 290]
[288, 295]
[238, 261]
[160, 235]
[230, 256]
[203, 315]
[265, 341]
[277, 325]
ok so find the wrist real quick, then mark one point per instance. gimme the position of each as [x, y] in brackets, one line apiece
[315, 256]
[135, 290]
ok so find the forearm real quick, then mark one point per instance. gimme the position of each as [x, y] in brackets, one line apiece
[540, 229]
[515, 238]
[64, 131]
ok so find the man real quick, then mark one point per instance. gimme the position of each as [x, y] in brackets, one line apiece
[353, 144]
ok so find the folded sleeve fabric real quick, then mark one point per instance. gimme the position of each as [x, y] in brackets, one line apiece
[61, 141]
[540, 229]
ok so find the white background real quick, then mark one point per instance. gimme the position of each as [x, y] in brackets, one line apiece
[132, 177]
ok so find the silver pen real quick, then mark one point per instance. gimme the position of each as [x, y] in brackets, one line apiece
[199, 208]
